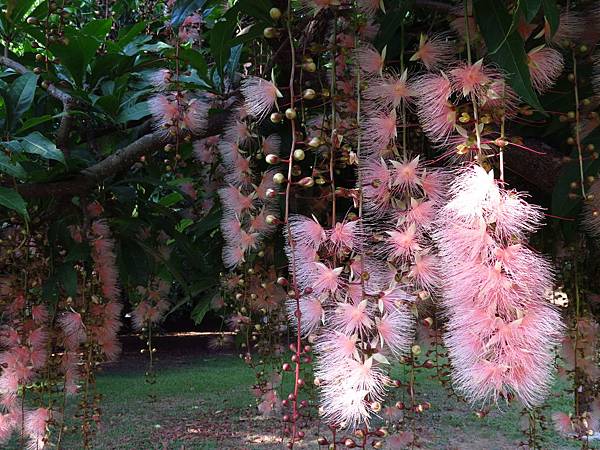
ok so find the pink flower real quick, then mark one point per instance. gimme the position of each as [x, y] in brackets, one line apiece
[39, 313]
[35, 426]
[389, 91]
[545, 66]
[402, 243]
[344, 235]
[406, 175]
[161, 79]
[233, 255]
[307, 232]
[271, 145]
[73, 328]
[312, 314]
[436, 114]
[378, 131]
[471, 79]
[203, 153]
[401, 440]
[395, 330]
[237, 132]
[375, 177]
[260, 96]
[369, 60]
[562, 423]
[570, 28]
[233, 200]
[369, 7]
[425, 272]
[324, 279]
[352, 317]
[434, 51]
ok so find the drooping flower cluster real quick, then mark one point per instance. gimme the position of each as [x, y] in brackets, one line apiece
[154, 304]
[501, 328]
[353, 309]
[591, 218]
[177, 113]
[249, 210]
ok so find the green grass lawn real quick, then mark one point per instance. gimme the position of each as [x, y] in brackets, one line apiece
[207, 404]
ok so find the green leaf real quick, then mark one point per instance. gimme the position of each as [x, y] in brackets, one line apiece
[37, 144]
[11, 199]
[200, 311]
[19, 98]
[135, 112]
[220, 37]
[495, 24]
[11, 168]
[551, 14]
[19, 9]
[196, 60]
[81, 47]
[130, 35]
[67, 277]
[35, 121]
[531, 8]
[183, 9]
[171, 199]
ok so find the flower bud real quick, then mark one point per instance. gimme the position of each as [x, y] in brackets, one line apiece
[271, 219]
[299, 154]
[276, 117]
[306, 182]
[272, 159]
[309, 94]
[275, 13]
[290, 113]
[279, 178]
[269, 32]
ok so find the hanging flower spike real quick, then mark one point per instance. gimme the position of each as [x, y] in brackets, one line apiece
[260, 96]
[73, 328]
[434, 51]
[501, 329]
[591, 211]
[389, 91]
[545, 66]
[369, 60]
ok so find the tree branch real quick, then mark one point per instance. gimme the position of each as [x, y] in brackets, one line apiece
[122, 159]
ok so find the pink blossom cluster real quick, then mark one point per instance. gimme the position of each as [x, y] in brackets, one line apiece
[501, 328]
[249, 199]
[24, 355]
[354, 311]
[153, 306]
[177, 113]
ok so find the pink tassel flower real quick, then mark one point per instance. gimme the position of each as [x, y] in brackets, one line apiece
[545, 66]
[369, 60]
[501, 330]
[434, 51]
[260, 96]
